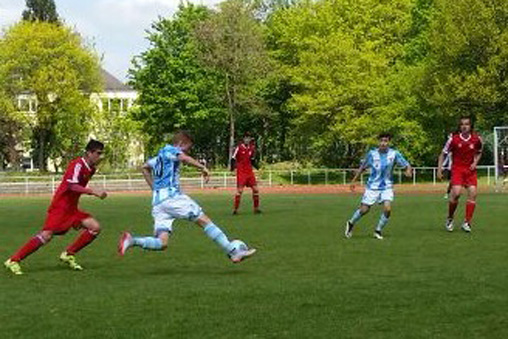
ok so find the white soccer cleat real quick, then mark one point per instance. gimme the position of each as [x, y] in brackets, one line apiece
[124, 243]
[378, 235]
[241, 255]
[449, 225]
[466, 227]
[349, 229]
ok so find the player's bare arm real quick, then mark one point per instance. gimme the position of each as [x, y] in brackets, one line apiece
[86, 190]
[440, 162]
[358, 172]
[409, 171]
[476, 160]
[193, 162]
[147, 174]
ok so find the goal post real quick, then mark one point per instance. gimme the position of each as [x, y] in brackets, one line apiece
[500, 152]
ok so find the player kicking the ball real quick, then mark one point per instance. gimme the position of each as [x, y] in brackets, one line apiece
[63, 213]
[169, 203]
[381, 161]
[466, 149]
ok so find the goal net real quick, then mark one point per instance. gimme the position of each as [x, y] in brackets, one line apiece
[501, 154]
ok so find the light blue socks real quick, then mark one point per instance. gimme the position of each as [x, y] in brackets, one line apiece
[148, 243]
[356, 216]
[215, 233]
[383, 220]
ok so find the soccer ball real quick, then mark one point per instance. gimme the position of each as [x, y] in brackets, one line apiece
[239, 245]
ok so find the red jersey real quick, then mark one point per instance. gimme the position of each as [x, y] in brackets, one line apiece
[243, 155]
[78, 172]
[463, 149]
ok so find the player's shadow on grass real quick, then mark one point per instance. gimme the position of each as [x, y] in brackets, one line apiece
[196, 272]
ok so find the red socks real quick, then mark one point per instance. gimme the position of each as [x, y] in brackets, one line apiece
[31, 246]
[470, 206]
[255, 200]
[238, 197]
[452, 206]
[85, 238]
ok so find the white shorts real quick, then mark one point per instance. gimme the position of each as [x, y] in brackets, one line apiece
[370, 197]
[178, 207]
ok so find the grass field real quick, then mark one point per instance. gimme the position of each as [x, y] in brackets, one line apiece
[306, 281]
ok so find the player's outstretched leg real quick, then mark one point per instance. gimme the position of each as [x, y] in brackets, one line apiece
[158, 243]
[12, 264]
[217, 235]
[360, 212]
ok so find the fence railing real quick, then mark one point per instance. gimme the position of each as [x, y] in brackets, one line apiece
[265, 178]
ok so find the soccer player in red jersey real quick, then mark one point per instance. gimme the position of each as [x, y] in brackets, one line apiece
[63, 213]
[466, 149]
[242, 159]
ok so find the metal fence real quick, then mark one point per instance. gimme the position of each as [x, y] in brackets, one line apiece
[266, 178]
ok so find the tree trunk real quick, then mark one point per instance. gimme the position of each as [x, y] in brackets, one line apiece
[231, 114]
[41, 158]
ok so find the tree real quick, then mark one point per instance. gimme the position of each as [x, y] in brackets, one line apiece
[51, 63]
[175, 90]
[40, 10]
[340, 58]
[231, 43]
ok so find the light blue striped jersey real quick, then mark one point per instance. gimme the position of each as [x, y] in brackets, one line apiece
[166, 173]
[381, 167]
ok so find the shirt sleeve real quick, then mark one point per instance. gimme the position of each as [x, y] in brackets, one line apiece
[479, 145]
[76, 172]
[448, 146]
[151, 162]
[401, 161]
[367, 161]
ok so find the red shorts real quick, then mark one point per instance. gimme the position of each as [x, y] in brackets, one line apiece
[243, 180]
[61, 221]
[463, 177]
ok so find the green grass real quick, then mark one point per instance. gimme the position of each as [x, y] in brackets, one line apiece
[306, 281]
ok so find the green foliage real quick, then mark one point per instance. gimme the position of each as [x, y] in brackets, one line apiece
[51, 63]
[175, 92]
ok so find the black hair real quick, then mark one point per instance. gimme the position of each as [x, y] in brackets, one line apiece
[94, 145]
[385, 135]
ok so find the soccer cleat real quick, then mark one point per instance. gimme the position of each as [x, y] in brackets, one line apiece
[349, 229]
[449, 225]
[124, 243]
[235, 212]
[378, 235]
[466, 227]
[70, 260]
[13, 266]
[257, 211]
[241, 255]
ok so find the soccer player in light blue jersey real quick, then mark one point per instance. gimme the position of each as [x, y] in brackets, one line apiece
[169, 203]
[379, 188]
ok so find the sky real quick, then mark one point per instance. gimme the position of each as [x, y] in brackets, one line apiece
[117, 28]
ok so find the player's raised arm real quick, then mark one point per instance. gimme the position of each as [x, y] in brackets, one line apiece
[193, 162]
[147, 171]
[233, 159]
